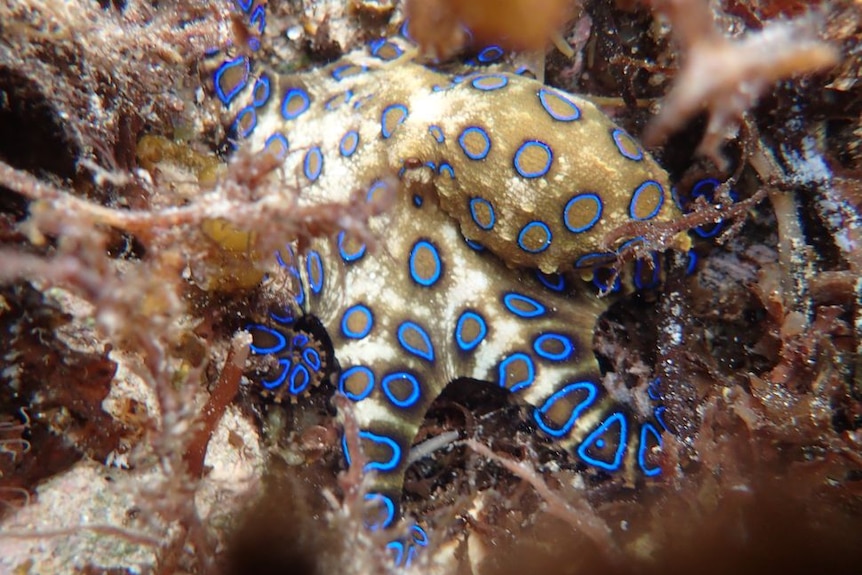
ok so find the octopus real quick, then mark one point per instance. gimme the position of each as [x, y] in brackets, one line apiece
[499, 191]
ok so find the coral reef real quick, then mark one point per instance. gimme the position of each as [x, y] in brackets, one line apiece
[134, 436]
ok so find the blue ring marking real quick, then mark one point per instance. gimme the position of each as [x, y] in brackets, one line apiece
[285, 364]
[338, 73]
[564, 341]
[392, 108]
[437, 133]
[258, 17]
[482, 202]
[299, 340]
[602, 284]
[349, 143]
[470, 345]
[538, 173]
[411, 399]
[417, 200]
[338, 100]
[286, 319]
[280, 344]
[636, 195]
[388, 465]
[313, 263]
[312, 358]
[658, 413]
[297, 388]
[390, 510]
[545, 96]
[691, 262]
[526, 229]
[431, 165]
[281, 138]
[313, 153]
[594, 259]
[536, 309]
[483, 134]
[554, 282]
[652, 389]
[595, 438]
[642, 449]
[445, 167]
[620, 136]
[226, 97]
[398, 547]
[369, 321]
[350, 371]
[404, 30]
[379, 44]
[237, 123]
[369, 195]
[349, 257]
[425, 245]
[289, 97]
[244, 5]
[582, 197]
[539, 413]
[653, 281]
[261, 83]
[474, 245]
[487, 83]
[696, 189]
[490, 54]
[503, 366]
[629, 243]
[403, 331]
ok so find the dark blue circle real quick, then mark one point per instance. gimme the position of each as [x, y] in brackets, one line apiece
[531, 371]
[349, 143]
[482, 201]
[536, 308]
[475, 130]
[636, 194]
[426, 353]
[544, 94]
[288, 99]
[262, 83]
[538, 173]
[358, 308]
[618, 134]
[568, 348]
[312, 358]
[237, 124]
[285, 365]
[597, 438]
[312, 174]
[470, 345]
[349, 257]
[226, 97]
[501, 82]
[383, 466]
[526, 230]
[438, 264]
[490, 54]
[300, 379]
[350, 371]
[580, 197]
[538, 414]
[281, 138]
[411, 399]
[386, 132]
[280, 344]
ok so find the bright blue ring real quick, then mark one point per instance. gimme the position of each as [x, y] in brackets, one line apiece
[437, 134]
[526, 229]
[474, 245]
[603, 286]
[656, 273]
[259, 17]
[311, 358]
[388, 465]
[244, 5]
[574, 115]
[280, 345]
[568, 348]
[337, 73]
[510, 297]
[475, 129]
[638, 191]
[299, 340]
[691, 262]
[490, 54]
[281, 138]
[502, 81]
[501, 372]
[297, 370]
[652, 389]
[438, 265]
[349, 257]
[617, 134]
[648, 428]
[338, 100]
[586, 196]
[348, 146]
[377, 45]
[237, 124]
[596, 436]
[554, 282]
[444, 167]
[398, 548]
[658, 413]
[463, 344]
[262, 81]
[593, 259]
[369, 195]
[350, 371]
[314, 263]
[428, 352]
[358, 308]
[279, 379]
[411, 399]
[226, 97]
[390, 509]
[538, 173]
[312, 175]
[482, 201]
[539, 413]
[288, 97]
[386, 111]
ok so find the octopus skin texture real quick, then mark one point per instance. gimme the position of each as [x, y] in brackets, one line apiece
[496, 183]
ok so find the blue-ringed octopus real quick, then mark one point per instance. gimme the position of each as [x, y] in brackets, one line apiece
[500, 188]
